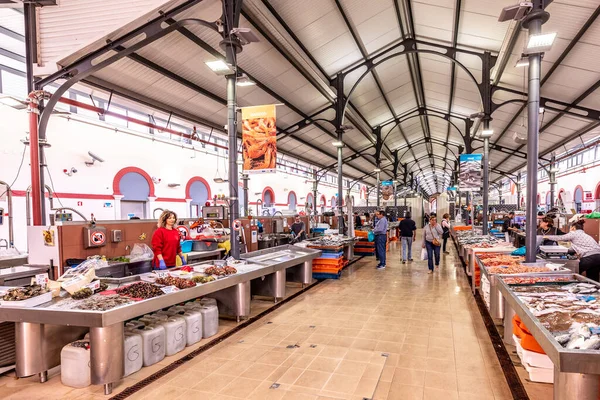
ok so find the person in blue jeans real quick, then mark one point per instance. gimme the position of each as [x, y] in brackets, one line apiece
[408, 230]
[380, 232]
[432, 231]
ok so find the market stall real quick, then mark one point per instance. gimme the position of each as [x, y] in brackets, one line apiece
[563, 315]
[49, 317]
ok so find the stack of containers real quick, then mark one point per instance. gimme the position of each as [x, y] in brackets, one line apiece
[539, 366]
[365, 245]
[75, 364]
[329, 265]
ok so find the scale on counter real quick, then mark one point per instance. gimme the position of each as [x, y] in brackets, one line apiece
[215, 212]
[553, 252]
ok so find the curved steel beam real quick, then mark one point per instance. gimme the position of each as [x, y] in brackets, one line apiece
[87, 67]
[424, 115]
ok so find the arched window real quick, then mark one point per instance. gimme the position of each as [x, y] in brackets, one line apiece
[136, 187]
[292, 201]
[309, 199]
[548, 200]
[578, 198]
[198, 190]
[323, 200]
[333, 201]
[268, 197]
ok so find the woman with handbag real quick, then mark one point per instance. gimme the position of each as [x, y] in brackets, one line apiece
[431, 241]
[446, 228]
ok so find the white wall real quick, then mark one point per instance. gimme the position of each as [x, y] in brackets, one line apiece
[72, 139]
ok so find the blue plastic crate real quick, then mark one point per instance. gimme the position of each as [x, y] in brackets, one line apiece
[322, 275]
[186, 246]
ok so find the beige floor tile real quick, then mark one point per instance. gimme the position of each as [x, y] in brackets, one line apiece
[299, 396]
[439, 380]
[341, 384]
[234, 368]
[365, 388]
[411, 377]
[312, 379]
[438, 365]
[364, 344]
[382, 391]
[412, 362]
[443, 353]
[358, 355]
[165, 392]
[352, 368]
[472, 384]
[437, 394]
[333, 352]
[241, 387]
[274, 358]
[290, 376]
[324, 364]
[405, 392]
[259, 371]
[214, 383]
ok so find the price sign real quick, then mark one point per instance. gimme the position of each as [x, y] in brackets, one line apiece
[169, 289]
[41, 279]
[93, 286]
[162, 274]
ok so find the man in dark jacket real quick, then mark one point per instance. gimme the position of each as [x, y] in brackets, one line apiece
[408, 232]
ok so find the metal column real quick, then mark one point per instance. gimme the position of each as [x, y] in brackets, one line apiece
[245, 180]
[534, 24]
[519, 191]
[378, 189]
[340, 199]
[552, 179]
[486, 176]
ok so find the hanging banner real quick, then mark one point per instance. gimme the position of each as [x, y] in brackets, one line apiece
[259, 140]
[387, 190]
[471, 174]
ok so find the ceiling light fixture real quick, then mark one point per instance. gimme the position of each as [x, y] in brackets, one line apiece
[486, 133]
[540, 43]
[338, 144]
[244, 81]
[522, 62]
[377, 170]
[219, 67]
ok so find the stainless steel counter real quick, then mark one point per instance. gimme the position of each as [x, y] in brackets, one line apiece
[41, 332]
[576, 372]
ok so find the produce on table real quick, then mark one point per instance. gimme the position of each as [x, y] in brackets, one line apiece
[179, 283]
[82, 293]
[186, 268]
[119, 259]
[529, 280]
[220, 271]
[516, 269]
[140, 290]
[103, 303]
[24, 293]
[203, 279]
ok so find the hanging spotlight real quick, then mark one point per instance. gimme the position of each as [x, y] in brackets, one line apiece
[540, 43]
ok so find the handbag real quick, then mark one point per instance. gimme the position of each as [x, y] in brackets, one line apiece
[435, 240]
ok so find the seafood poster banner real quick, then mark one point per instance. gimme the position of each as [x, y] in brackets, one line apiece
[259, 140]
[471, 174]
[387, 190]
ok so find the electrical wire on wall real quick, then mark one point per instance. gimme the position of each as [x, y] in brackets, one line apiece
[18, 171]
[51, 182]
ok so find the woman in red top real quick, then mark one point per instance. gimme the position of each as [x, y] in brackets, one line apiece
[165, 242]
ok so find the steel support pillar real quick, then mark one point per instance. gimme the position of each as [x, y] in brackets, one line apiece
[486, 176]
[245, 179]
[37, 198]
[552, 177]
[315, 191]
[534, 24]
[378, 189]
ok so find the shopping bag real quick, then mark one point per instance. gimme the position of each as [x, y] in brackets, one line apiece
[424, 254]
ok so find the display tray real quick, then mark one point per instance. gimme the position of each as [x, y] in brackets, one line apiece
[32, 302]
[564, 360]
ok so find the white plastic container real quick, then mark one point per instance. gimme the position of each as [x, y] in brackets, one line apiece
[210, 321]
[175, 339]
[134, 325]
[177, 308]
[542, 375]
[153, 344]
[193, 321]
[193, 305]
[75, 364]
[208, 301]
[133, 353]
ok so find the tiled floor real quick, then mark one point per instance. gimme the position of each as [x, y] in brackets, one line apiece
[393, 334]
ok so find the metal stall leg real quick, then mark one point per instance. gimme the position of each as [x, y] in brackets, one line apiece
[575, 386]
[234, 301]
[349, 252]
[272, 285]
[509, 313]
[301, 273]
[107, 348]
[38, 347]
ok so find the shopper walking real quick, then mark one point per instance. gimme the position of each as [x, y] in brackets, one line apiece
[446, 228]
[408, 234]
[166, 242]
[585, 246]
[431, 241]
[380, 232]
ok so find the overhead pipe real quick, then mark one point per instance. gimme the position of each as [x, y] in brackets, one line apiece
[28, 202]
[11, 233]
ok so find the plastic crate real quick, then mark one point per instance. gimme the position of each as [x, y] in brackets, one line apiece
[320, 275]
[186, 246]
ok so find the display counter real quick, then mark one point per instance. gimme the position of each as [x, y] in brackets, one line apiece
[194, 256]
[489, 280]
[346, 245]
[42, 331]
[576, 370]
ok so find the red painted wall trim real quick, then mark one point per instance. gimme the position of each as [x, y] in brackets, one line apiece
[170, 200]
[582, 192]
[127, 170]
[81, 196]
[270, 189]
[197, 179]
[289, 194]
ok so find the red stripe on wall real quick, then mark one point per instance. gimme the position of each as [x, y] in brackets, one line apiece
[83, 196]
[170, 200]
